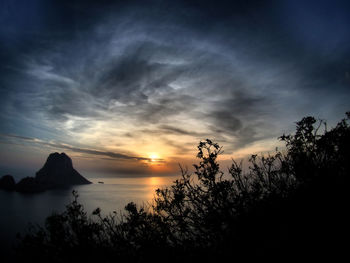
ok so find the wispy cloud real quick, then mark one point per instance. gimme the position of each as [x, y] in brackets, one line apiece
[142, 80]
[114, 155]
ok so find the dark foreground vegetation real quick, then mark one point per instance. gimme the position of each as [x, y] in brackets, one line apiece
[287, 205]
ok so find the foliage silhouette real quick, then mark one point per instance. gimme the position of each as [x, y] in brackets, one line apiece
[287, 202]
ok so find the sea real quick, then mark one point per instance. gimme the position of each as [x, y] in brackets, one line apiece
[18, 211]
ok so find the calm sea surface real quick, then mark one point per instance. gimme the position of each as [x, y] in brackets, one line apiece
[18, 210]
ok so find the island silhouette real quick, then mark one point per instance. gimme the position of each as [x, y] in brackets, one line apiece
[57, 172]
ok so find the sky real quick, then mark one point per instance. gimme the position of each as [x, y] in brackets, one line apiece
[129, 88]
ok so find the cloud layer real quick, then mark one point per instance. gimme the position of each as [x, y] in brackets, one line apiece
[135, 81]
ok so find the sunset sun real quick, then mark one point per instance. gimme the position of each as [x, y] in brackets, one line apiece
[154, 157]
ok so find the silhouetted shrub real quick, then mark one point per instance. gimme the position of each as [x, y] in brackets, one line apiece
[291, 202]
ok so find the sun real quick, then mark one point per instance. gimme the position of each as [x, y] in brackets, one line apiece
[154, 157]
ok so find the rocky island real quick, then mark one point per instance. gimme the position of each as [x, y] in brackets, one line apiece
[57, 172]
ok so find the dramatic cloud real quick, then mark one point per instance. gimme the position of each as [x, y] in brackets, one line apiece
[120, 78]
